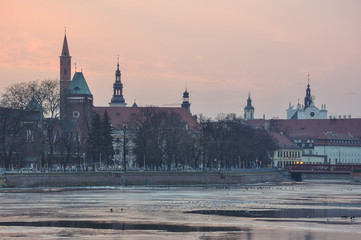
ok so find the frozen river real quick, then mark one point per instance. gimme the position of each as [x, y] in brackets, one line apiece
[304, 210]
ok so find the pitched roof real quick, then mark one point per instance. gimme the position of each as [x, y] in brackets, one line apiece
[78, 85]
[123, 115]
[283, 142]
[313, 128]
[33, 106]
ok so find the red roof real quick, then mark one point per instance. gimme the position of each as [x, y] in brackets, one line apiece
[122, 115]
[313, 128]
[283, 142]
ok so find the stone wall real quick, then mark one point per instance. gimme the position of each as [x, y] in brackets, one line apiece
[151, 178]
[325, 176]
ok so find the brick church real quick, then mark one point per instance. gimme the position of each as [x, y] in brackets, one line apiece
[77, 109]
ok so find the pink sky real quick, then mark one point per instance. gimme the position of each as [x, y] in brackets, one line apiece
[222, 49]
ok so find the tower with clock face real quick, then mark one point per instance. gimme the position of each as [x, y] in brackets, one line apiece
[79, 99]
[76, 99]
[308, 110]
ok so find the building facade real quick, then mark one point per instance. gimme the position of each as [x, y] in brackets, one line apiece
[287, 152]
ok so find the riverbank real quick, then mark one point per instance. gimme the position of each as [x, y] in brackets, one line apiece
[18, 180]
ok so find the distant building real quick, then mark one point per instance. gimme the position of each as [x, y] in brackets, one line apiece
[249, 109]
[308, 110]
[287, 152]
[185, 104]
[334, 141]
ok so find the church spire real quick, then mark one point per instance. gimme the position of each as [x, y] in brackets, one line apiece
[117, 99]
[249, 109]
[185, 103]
[308, 99]
[65, 51]
[65, 75]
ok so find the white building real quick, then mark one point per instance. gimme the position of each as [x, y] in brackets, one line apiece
[308, 110]
[338, 149]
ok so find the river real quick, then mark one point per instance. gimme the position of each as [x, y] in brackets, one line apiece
[288, 210]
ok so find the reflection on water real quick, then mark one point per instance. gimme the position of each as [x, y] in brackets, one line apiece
[124, 226]
[285, 213]
[325, 204]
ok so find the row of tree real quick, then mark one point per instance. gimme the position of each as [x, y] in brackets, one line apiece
[159, 138]
[162, 140]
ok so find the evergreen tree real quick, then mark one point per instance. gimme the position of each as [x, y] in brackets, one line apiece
[95, 139]
[107, 145]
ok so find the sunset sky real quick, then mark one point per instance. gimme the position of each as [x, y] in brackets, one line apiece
[221, 49]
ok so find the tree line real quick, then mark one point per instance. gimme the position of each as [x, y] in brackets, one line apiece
[158, 138]
[162, 140]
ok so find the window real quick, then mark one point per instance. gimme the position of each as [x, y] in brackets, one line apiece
[64, 71]
[29, 136]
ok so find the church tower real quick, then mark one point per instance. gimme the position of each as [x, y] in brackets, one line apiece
[308, 98]
[309, 110]
[249, 109]
[185, 103]
[65, 76]
[117, 99]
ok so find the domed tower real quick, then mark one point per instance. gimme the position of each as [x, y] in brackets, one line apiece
[185, 103]
[117, 99]
[249, 109]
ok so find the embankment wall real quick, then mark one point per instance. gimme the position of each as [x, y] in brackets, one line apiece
[114, 179]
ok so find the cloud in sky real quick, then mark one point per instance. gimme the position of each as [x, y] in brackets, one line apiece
[222, 49]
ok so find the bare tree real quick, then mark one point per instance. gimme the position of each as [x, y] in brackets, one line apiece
[18, 96]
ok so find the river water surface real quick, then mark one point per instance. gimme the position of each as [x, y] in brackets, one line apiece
[305, 210]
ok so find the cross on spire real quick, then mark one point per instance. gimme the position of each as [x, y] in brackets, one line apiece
[308, 75]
